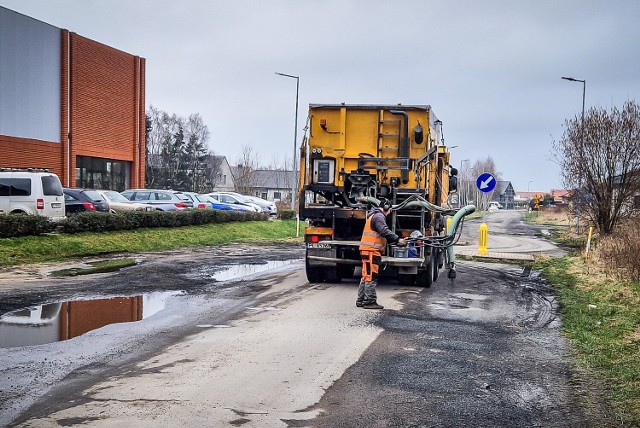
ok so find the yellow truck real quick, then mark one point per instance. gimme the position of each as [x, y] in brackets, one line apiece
[355, 155]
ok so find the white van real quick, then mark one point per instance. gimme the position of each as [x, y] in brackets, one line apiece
[36, 192]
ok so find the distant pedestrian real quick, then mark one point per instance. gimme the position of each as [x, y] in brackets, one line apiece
[374, 240]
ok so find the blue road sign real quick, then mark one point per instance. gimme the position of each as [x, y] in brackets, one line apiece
[486, 182]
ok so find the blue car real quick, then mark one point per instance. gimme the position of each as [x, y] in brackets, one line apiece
[205, 201]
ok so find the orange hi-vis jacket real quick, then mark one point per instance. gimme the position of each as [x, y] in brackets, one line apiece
[372, 240]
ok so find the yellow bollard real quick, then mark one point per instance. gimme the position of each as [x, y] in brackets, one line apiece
[484, 238]
[449, 219]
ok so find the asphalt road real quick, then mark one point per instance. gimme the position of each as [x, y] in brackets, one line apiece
[273, 350]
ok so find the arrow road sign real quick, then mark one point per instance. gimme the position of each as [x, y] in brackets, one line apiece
[486, 182]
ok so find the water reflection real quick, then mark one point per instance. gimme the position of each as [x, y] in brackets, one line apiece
[241, 271]
[54, 322]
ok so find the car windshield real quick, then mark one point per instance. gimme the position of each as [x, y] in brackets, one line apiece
[114, 196]
[241, 198]
[183, 197]
[93, 195]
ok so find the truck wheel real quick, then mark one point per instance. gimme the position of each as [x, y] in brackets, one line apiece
[406, 279]
[425, 277]
[346, 271]
[314, 273]
[435, 264]
[332, 274]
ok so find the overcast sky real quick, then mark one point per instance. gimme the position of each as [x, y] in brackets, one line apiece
[491, 70]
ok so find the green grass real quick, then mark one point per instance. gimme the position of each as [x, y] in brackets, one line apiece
[601, 319]
[58, 247]
[96, 267]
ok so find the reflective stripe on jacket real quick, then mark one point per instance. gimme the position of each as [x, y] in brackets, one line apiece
[372, 240]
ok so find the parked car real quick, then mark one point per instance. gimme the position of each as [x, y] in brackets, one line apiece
[77, 199]
[270, 206]
[197, 200]
[234, 200]
[30, 191]
[118, 203]
[251, 200]
[206, 201]
[161, 200]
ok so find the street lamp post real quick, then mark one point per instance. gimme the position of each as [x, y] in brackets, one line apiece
[584, 89]
[529, 192]
[461, 184]
[295, 141]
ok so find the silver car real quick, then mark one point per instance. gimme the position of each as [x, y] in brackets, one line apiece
[234, 200]
[118, 203]
[161, 200]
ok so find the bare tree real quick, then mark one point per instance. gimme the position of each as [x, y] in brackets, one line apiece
[245, 172]
[600, 162]
[479, 168]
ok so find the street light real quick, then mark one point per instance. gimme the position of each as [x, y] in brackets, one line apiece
[461, 184]
[584, 89]
[529, 192]
[295, 139]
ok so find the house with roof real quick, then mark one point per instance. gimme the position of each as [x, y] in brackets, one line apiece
[504, 194]
[224, 180]
[274, 185]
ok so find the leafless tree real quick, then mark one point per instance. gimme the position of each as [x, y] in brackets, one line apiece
[600, 162]
[245, 172]
[472, 193]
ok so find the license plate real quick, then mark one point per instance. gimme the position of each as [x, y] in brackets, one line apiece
[317, 245]
[56, 205]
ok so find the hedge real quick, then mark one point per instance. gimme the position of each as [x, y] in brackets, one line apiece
[12, 225]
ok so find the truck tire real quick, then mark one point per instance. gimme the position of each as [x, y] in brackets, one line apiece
[314, 273]
[425, 277]
[406, 279]
[332, 274]
[436, 266]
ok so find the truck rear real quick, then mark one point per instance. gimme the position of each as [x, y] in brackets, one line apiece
[355, 155]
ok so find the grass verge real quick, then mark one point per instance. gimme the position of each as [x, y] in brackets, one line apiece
[38, 249]
[601, 320]
[96, 267]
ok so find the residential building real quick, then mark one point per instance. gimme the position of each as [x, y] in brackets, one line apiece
[504, 194]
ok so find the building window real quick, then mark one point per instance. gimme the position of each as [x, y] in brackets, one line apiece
[98, 173]
[277, 195]
[224, 179]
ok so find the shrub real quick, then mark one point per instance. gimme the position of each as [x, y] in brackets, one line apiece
[12, 225]
[102, 222]
[621, 250]
[285, 214]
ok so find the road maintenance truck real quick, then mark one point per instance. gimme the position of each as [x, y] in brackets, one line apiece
[351, 158]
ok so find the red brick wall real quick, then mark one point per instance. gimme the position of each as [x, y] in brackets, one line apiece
[25, 153]
[102, 98]
[107, 104]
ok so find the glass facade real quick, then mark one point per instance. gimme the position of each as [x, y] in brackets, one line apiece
[99, 173]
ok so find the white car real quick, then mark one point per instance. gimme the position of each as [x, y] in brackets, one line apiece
[233, 200]
[118, 203]
[36, 192]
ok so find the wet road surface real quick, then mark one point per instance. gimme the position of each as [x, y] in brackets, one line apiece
[273, 350]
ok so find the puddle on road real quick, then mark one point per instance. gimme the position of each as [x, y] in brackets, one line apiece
[55, 322]
[244, 270]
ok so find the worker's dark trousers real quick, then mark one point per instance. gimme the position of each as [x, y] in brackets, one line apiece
[370, 265]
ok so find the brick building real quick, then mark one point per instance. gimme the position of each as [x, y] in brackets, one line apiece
[70, 104]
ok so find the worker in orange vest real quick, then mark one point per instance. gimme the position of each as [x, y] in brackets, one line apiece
[374, 240]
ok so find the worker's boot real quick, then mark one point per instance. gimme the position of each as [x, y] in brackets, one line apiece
[373, 305]
[370, 296]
